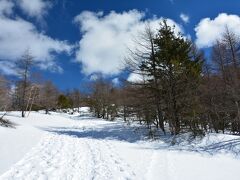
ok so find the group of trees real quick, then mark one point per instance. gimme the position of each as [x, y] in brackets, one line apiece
[103, 99]
[27, 93]
[170, 68]
[220, 87]
[178, 90]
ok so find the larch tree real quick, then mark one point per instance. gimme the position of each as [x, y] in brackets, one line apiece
[142, 61]
[5, 99]
[178, 67]
[48, 96]
[23, 66]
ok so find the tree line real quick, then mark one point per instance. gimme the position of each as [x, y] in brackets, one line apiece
[179, 89]
[30, 93]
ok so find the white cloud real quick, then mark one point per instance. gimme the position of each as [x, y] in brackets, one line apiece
[135, 77]
[17, 35]
[208, 31]
[93, 77]
[185, 18]
[106, 38]
[6, 7]
[34, 8]
[7, 68]
[115, 81]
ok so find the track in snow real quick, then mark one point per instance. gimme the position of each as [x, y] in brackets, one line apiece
[84, 148]
[64, 156]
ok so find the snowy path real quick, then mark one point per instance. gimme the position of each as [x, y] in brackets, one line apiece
[85, 148]
[70, 158]
[66, 156]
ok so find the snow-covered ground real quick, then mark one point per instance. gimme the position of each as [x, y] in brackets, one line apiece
[61, 146]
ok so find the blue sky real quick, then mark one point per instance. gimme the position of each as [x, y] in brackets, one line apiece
[75, 40]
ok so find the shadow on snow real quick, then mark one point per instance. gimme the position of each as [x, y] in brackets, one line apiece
[111, 132]
[126, 133]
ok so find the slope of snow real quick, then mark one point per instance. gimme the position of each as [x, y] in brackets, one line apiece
[61, 146]
[16, 142]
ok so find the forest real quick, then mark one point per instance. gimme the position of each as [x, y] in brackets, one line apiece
[179, 88]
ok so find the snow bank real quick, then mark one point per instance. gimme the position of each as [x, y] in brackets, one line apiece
[16, 142]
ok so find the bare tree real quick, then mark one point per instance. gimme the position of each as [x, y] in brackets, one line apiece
[48, 96]
[24, 65]
[4, 94]
[5, 100]
[101, 101]
[76, 98]
[142, 60]
[232, 44]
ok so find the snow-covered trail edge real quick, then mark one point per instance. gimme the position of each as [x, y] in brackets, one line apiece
[74, 147]
[66, 156]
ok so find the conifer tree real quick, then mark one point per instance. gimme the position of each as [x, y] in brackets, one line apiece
[176, 68]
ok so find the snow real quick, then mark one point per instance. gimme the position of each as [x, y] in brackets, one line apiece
[62, 146]
[15, 143]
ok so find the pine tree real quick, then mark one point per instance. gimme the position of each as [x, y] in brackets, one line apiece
[176, 68]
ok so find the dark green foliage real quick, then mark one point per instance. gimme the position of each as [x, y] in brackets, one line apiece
[64, 102]
[175, 69]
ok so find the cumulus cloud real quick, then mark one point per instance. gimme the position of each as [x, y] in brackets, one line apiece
[18, 35]
[185, 18]
[209, 30]
[106, 38]
[34, 8]
[7, 68]
[134, 77]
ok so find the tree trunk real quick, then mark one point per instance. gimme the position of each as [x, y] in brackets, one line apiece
[23, 112]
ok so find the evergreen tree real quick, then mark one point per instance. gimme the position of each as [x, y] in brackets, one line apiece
[63, 102]
[176, 68]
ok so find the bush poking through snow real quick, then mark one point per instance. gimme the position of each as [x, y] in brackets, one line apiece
[6, 123]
